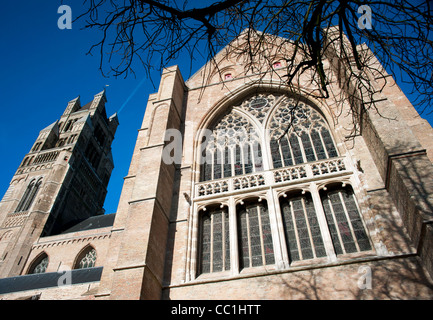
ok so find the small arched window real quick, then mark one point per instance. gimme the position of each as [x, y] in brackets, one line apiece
[254, 234]
[344, 220]
[214, 249]
[39, 265]
[301, 228]
[86, 259]
[277, 65]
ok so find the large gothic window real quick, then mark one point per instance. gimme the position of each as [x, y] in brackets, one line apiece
[299, 134]
[29, 195]
[233, 148]
[284, 148]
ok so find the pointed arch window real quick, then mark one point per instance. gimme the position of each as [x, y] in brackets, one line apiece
[29, 195]
[86, 259]
[39, 265]
[318, 224]
[233, 148]
[299, 134]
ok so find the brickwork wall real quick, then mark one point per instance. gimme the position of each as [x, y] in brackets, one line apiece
[83, 291]
[62, 250]
[396, 278]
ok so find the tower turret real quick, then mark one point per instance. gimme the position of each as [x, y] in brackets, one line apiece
[61, 181]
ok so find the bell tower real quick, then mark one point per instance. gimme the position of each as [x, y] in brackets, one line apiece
[62, 180]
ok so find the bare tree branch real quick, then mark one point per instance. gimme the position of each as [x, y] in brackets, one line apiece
[156, 32]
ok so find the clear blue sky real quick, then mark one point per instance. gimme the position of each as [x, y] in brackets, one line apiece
[42, 68]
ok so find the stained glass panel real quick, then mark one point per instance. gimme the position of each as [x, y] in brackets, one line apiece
[89, 260]
[217, 164]
[296, 149]
[268, 246]
[275, 153]
[243, 241]
[318, 145]
[289, 228]
[214, 250]
[255, 238]
[226, 241]
[248, 162]
[41, 266]
[238, 162]
[355, 219]
[258, 162]
[344, 221]
[227, 163]
[205, 243]
[308, 148]
[217, 242]
[285, 149]
[329, 144]
[301, 227]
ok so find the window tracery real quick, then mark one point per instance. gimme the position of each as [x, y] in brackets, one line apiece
[233, 148]
[299, 134]
[259, 105]
[40, 265]
[87, 259]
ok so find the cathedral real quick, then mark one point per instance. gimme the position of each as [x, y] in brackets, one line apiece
[239, 187]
